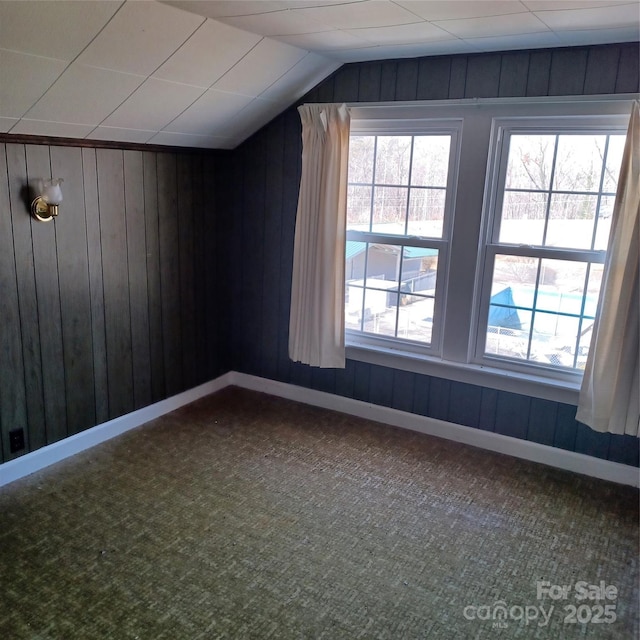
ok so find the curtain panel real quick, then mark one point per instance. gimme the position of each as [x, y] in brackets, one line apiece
[316, 320]
[610, 393]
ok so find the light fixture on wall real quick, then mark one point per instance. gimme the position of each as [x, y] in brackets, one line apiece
[45, 206]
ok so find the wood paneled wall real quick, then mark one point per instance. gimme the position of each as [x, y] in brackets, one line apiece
[115, 305]
[260, 250]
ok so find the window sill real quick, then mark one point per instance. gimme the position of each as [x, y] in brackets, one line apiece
[532, 385]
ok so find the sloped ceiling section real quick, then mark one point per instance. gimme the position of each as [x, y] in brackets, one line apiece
[143, 72]
[209, 73]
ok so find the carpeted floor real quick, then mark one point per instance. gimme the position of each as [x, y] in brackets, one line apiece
[244, 516]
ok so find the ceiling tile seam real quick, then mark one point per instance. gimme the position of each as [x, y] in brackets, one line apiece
[285, 9]
[608, 6]
[44, 93]
[204, 20]
[220, 78]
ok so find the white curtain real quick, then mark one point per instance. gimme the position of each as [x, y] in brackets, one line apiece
[316, 320]
[610, 394]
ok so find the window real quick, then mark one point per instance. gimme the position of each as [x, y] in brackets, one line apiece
[477, 235]
[549, 224]
[398, 226]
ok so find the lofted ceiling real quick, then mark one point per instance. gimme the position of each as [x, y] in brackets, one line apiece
[208, 73]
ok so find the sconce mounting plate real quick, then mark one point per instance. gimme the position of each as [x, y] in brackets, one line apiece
[42, 210]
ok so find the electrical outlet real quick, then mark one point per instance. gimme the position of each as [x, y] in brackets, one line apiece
[16, 440]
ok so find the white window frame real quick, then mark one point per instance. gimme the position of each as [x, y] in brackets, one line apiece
[502, 129]
[426, 126]
[458, 357]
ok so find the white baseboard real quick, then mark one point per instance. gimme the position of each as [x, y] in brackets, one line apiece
[52, 453]
[568, 460]
[544, 454]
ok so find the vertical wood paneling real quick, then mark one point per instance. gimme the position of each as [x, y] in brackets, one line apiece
[598, 59]
[488, 404]
[75, 294]
[20, 197]
[568, 68]
[512, 414]
[542, 421]
[566, 427]
[407, 81]
[439, 390]
[369, 82]
[464, 404]
[402, 390]
[186, 231]
[457, 77]
[154, 290]
[483, 76]
[514, 72]
[45, 262]
[433, 78]
[538, 77]
[421, 395]
[345, 87]
[624, 449]
[270, 302]
[388, 75]
[96, 287]
[381, 386]
[345, 379]
[13, 408]
[137, 263]
[627, 78]
[115, 279]
[169, 272]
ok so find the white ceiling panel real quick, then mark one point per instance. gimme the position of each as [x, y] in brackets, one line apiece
[153, 105]
[136, 136]
[460, 9]
[48, 128]
[261, 111]
[508, 43]
[260, 68]
[24, 79]
[191, 140]
[305, 75]
[208, 54]
[208, 113]
[85, 95]
[60, 29]
[140, 37]
[372, 13]
[326, 41]
[7, 123]
[278, 23]
[417, 32]
[597, 36]
[604, 17]
[555, 5]
[512, 24]
[229, 7]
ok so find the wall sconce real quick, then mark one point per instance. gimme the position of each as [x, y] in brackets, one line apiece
[45, 206]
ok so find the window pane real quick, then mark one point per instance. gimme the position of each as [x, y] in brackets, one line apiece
[523, 216]
[415, 318]
[426, 212]
[614, 161]
[380, 311]
[579, 163]
[389, 209]
[358, 207]
[530, 162]
[553, 339]
[508, 332]
[430, 165]
[571, 221]
[383, 265]
[514, 281]
[605, 215]
[392, 160]
[555, 290]
[361, 158]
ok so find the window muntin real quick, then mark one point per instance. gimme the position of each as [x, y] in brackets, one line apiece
[399, 195]
[554, 197]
